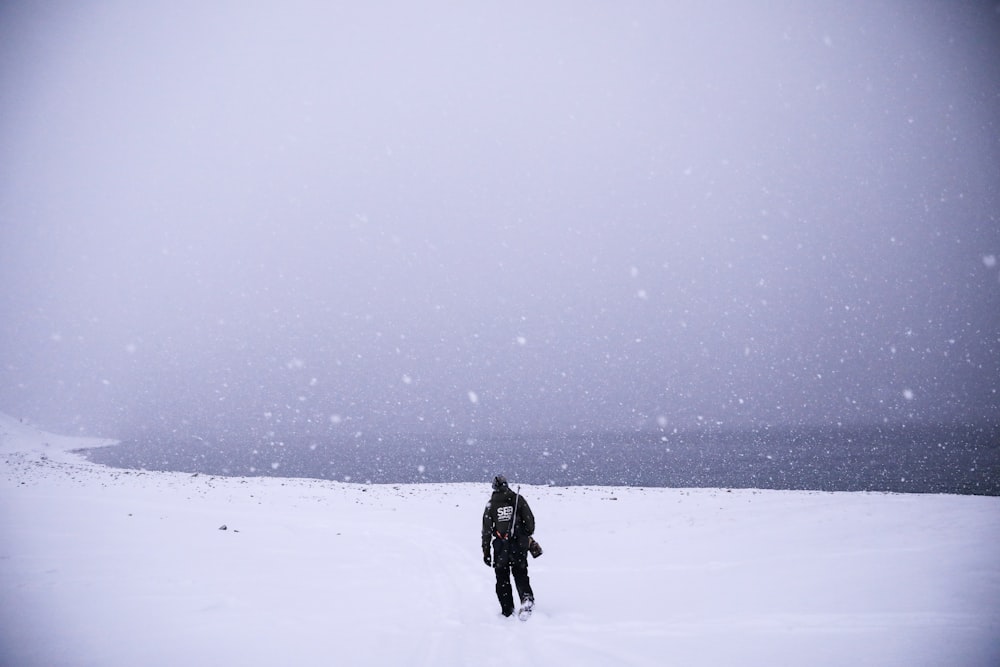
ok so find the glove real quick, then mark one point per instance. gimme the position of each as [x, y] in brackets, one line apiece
[487, 559]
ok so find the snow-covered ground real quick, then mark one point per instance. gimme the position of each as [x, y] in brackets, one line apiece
[109, 567]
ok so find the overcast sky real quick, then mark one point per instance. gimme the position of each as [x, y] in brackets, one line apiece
[491, 217]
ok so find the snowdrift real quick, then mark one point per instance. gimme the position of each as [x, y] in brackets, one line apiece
[108, 567]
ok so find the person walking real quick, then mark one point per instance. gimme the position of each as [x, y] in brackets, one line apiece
[509, 524]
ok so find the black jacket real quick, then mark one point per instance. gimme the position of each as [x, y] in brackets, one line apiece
[499, 517]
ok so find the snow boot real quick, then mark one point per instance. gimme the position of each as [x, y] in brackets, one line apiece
[524, 613]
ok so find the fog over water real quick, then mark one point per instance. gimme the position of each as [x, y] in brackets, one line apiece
[487, 218]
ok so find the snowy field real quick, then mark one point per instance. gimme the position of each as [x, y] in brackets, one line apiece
[109, 567]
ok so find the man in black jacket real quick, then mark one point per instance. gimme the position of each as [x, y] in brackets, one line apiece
[509, 524]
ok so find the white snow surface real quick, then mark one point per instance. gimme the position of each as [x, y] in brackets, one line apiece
[108, 567]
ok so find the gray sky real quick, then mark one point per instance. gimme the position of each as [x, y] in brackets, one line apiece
[492, 217]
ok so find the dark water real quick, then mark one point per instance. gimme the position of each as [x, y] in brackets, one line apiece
[955, 459]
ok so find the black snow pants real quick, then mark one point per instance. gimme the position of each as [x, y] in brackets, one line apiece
[510, 558]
